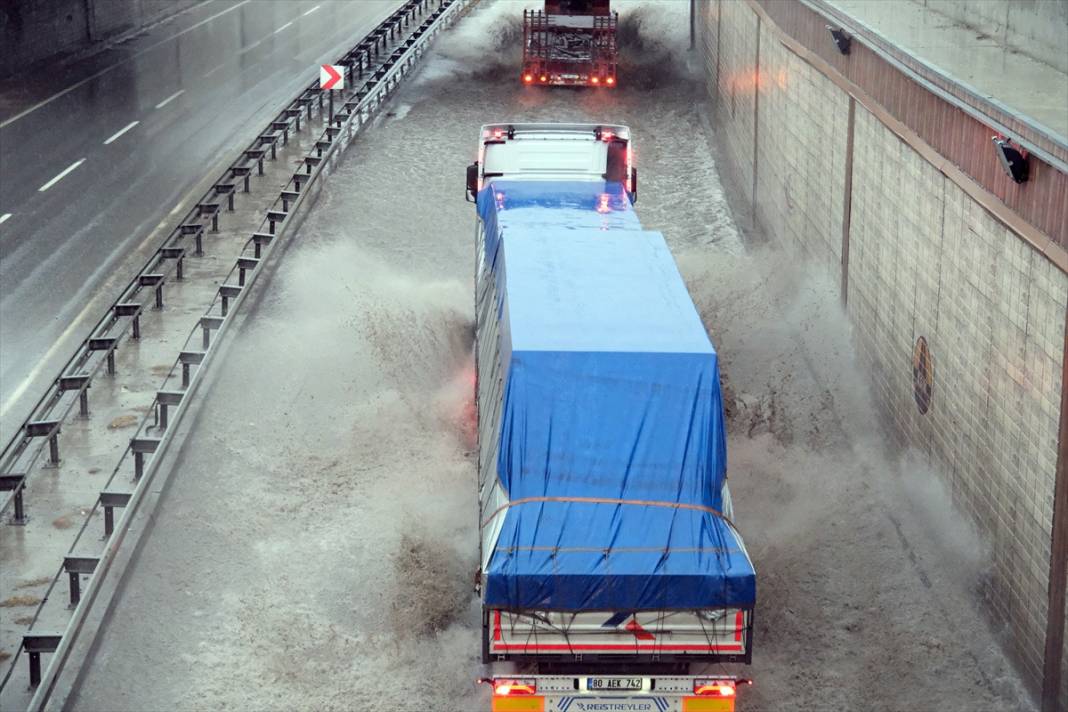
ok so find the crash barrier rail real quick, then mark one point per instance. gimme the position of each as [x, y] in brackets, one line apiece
[169, 405]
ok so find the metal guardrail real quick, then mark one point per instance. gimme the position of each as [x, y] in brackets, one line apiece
[199, 349]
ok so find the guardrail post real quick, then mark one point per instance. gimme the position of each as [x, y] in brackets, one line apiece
[141, 447]
[259, 239]
[242, 172]
[49, 429]
[275, 216]
[131, 309]
[15, 483]
[110, 500]
[207, 323]
[177, 254]
[153, 280]
[226, 189]
[79, 383]
[187, 359]
[245, 264]
[76, 567]
[164, 399]
[105, 343]
[282, 126]
[228, 292]
[287, 197]
[35, 644]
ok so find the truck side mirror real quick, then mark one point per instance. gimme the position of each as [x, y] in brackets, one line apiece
[634, 185]
[472, 182]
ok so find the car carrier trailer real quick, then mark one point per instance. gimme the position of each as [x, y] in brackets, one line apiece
[611, 574]
[570, 43]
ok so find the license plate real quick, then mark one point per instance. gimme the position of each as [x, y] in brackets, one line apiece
[614, 683]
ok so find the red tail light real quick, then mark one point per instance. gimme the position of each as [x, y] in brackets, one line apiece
[602, 204]
[497, 133]
[610, 81]
[714, 688]
[528, 78]
[595, 80]
[543, 78]
[514, 688]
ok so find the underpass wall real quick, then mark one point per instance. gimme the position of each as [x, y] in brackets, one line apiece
[919, 253]
[32, 31]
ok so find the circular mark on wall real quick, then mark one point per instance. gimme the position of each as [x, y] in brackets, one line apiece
[922, 375]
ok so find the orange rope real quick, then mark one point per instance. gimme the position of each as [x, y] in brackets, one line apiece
[605, 500]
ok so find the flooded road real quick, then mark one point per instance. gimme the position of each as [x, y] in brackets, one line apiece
[315, 541]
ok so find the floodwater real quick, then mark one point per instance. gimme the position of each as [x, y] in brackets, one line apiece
[316, 541]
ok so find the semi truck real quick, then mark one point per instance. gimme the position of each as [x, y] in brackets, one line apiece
[611, 574]
[570, 43]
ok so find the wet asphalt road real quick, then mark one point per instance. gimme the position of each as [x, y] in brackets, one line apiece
[89, 178]
[315, 534]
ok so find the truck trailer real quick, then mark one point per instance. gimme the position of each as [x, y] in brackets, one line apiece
[611, 576]
[570, 43]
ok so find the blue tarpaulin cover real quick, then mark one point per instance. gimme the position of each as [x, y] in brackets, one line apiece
[611, 393]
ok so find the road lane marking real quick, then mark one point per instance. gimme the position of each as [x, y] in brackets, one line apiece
[4, 217]
[121, 131]
[42, 363]
[170, 98]
[283, 27]
[60, 177]
[212, 71]
[305, 14]
[104, 71]
[252, 46]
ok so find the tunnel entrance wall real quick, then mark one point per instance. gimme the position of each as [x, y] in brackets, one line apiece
[34, 31]
[922, 250]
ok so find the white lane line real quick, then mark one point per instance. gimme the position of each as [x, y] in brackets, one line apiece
[59, 343]
[212, 71]
[252, 46]
[4, 217]
[121, 131]
[305, 14]
[170, 98]
[61, 176]
[283, 27]
[104, 71]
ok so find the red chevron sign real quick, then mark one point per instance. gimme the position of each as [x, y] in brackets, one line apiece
[331, 77]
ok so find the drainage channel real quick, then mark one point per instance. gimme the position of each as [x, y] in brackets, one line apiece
[78, 467]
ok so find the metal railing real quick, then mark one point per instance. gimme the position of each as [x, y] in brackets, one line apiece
[381, 73]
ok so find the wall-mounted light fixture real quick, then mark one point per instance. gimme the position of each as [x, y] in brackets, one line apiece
[1013, 158]
[841, 39]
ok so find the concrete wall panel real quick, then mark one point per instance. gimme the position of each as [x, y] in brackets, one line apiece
[925, 259]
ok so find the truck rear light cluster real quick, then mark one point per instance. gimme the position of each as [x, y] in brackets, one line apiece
[515, 688]
[528, 78]
[714, 688]
[610, 81]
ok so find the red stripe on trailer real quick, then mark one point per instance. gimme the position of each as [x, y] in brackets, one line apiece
[739, 625]
[624, 646]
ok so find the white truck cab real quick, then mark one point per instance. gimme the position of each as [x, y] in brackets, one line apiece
[576, 152]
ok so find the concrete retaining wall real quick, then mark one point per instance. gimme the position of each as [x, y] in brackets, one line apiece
[35, 30]
[918, 257]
